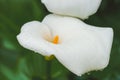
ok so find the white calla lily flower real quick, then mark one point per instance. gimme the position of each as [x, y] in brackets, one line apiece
[76, 8]
[79, 47]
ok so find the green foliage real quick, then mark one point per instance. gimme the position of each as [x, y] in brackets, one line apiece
[17, 63]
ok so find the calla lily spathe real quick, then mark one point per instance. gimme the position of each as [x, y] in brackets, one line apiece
[80, 47]
[76, 8]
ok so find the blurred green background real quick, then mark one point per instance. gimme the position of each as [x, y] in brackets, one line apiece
[17, 63]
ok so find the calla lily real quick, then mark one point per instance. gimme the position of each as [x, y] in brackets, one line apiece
[78, 46]
[76, 8]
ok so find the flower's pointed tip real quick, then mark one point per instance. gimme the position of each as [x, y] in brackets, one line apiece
[108, 37]
[111, 34]
[111, 31]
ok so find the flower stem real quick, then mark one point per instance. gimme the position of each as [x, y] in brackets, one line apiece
[48, 70]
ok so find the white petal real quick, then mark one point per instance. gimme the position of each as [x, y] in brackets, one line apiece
[77, 8]
[82, 47]
[36, 36]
